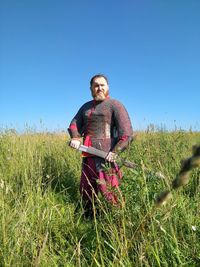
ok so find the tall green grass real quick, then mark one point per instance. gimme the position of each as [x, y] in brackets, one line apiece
[41, 215]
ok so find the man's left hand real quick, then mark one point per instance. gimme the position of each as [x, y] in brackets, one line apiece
[111, 157]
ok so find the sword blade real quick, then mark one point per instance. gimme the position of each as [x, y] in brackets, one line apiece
[103, 154]
[93, 151]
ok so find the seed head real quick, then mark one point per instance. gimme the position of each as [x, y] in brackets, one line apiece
[181, 179]
[195, 162]
[163, 198]
[196, 150]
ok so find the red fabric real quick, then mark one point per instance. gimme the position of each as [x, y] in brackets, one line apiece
[93, 181]
[87, 142]
[73, 127]
[124, 138]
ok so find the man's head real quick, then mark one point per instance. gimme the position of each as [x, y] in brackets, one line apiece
[99, 87]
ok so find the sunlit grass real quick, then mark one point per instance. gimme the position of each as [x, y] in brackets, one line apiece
[41, 215]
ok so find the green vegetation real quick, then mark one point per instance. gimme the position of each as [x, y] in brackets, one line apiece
[41, 216]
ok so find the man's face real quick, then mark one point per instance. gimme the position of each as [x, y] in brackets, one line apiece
[99, 89]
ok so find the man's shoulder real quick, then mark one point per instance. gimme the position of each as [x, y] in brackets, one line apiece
[90, 102]
[115, 102]
[87, 104]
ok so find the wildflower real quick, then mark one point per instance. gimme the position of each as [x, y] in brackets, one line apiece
[160, 175]
[194, 228]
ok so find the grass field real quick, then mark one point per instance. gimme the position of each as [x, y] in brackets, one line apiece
[41, 216]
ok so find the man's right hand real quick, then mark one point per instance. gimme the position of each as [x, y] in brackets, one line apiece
[75, 143]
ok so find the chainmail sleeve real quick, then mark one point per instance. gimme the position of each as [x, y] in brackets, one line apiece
[123, 126]
[76, 125]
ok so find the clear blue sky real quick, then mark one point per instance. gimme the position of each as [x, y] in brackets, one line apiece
[150, 51]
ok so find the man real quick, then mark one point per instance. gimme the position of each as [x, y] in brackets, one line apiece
[103, 123]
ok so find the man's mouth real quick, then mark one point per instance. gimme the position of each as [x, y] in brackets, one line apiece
[100, 92]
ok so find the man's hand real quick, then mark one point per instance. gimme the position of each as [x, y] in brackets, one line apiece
[75, 143]
[111, 157]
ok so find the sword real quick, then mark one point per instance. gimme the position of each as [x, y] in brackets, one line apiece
[102, 154]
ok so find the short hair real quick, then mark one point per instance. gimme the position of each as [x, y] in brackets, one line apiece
[98, 76]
